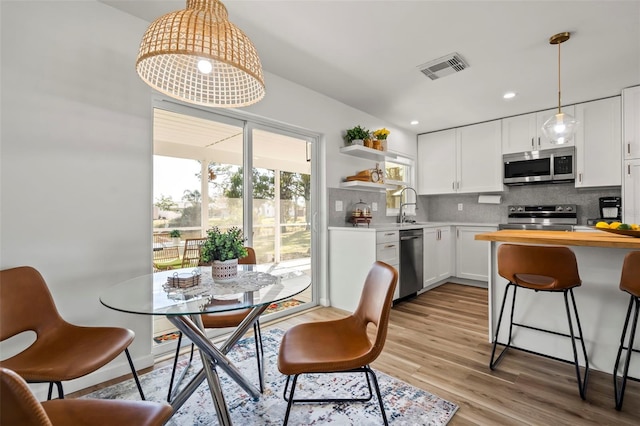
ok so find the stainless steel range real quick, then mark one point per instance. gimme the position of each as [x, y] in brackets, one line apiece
[558, 217]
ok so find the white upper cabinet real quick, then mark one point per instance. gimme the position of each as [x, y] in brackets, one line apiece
[524, 132]
[631, 192]
[519, 134]
[598, 143]
[463, 160]
[631, 122]
[437, 162]
[479, 153]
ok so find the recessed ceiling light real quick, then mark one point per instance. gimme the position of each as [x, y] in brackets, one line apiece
[414, 122]
[509, 95]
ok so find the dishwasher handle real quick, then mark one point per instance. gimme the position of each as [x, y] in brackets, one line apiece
[411, 237]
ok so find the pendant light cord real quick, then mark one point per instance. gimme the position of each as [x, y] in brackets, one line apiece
[559, 102]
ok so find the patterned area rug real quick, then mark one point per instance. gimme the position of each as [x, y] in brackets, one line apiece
[274, 307]
[404, 404]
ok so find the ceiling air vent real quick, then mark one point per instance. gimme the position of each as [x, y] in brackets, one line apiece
[444, 66]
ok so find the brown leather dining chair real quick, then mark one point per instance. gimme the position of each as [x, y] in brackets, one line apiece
[20, 407]
[342, 345]
[61, 351]
[225, 320]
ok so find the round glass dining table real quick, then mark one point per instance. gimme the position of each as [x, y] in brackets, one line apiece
[183, 294]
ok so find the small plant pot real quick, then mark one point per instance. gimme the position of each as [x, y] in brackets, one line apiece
[224, 270]
[368, 143]
[357, 142]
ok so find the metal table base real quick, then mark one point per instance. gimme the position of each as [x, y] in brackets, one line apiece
[212, 358]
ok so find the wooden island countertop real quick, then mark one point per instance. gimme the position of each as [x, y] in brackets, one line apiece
[587, 239]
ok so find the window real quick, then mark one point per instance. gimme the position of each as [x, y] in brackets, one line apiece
[399, 172]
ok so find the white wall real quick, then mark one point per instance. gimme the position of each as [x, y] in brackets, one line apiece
[76, 156]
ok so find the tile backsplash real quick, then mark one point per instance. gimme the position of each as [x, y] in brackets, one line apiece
[444, 208]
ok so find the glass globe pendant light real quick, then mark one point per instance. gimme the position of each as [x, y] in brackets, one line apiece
[561, 127]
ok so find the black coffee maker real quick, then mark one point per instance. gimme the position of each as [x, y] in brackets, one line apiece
[610, 210]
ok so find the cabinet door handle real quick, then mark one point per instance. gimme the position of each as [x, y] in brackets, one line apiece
[453, 185]
[629, 169]
[538, 141]
[390, 233]
[628, 147]
[390, 246]
[532, 143]
[580, 177]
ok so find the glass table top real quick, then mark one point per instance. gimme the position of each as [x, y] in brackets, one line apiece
[157, 294]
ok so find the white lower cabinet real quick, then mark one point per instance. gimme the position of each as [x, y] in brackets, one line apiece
[352, 252]
[472, 256]
[388, 251]
[437, 255]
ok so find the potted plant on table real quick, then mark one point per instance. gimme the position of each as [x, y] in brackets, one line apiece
[356, 135]
[222, 250]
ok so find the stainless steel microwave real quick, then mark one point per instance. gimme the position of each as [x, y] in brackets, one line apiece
[546, 166]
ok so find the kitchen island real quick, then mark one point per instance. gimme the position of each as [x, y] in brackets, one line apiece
[601, 304]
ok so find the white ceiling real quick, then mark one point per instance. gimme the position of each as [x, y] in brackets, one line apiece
[366, 53]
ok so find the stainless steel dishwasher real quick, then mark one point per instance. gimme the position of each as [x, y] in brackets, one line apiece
[411, 261]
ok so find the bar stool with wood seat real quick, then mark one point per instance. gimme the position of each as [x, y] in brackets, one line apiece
[548, 269]
[629, 282]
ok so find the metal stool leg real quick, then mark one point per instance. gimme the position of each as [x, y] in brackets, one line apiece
[492, 363]
[582, 383]
[620, 388]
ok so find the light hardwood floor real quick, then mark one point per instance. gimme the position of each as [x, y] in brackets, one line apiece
[438, 342]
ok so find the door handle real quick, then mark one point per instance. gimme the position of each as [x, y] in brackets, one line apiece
[408, 238]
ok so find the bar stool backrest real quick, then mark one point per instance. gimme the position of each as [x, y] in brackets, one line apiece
[630, 278]
[550, 261]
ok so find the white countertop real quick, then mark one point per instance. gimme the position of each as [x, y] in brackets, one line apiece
[373, 227]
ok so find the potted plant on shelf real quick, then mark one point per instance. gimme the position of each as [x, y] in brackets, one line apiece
[222, 250]
[356, 135]
[381, 137]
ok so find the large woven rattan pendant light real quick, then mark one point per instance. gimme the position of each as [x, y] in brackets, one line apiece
[198, 56]
[561, 127]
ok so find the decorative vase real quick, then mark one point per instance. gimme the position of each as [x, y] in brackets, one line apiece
[226, 270]
[357, 142]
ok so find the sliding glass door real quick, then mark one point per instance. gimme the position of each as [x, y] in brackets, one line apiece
[218, 170]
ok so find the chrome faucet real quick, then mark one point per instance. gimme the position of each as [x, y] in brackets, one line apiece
[402, 215]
